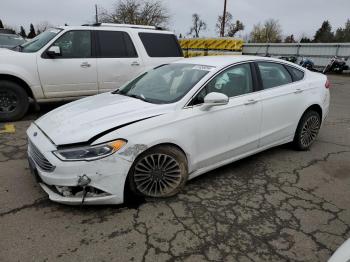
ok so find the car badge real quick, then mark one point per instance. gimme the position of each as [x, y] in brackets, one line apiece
[35, 134]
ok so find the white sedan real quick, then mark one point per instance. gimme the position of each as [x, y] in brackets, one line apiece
[172, 124]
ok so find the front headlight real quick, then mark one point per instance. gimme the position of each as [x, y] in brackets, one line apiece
[89, 153]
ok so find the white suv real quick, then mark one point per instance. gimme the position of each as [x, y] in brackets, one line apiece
[69, 62]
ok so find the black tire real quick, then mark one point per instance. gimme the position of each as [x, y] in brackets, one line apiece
[340, 71]
[168, 175]
[307, 130]
[14, 101]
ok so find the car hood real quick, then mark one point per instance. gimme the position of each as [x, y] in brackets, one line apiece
[82, 120]
[4, 51]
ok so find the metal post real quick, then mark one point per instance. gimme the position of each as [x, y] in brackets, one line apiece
[298, 50]
[222, 34]
[96, 14]
[337, 50]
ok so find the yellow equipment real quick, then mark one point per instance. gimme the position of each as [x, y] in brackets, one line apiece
[211, 46]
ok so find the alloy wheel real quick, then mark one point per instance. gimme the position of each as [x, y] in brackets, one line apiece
[157, 175]
[309, 131]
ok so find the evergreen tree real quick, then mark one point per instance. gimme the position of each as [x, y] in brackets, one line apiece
[305, 40]
[1, 25]
[22, 32]
[343, 34]
[31, 32]
[324, 34]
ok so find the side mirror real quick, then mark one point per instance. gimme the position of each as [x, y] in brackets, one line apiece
[215, 99]
[54, 51]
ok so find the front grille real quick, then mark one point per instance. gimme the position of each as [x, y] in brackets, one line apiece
[39, 158]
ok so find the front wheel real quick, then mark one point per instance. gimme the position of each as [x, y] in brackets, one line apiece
[159, 172]
[307, 130]
[14, 101]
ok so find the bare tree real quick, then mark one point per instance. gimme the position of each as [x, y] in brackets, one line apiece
[43, 26]
[198, 25]
[136, 12]
[270, 32]
[234, 28]
[231, 28]
[9, 28]
[228, 22]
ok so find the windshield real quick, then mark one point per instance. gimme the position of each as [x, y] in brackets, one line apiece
[11, 40]
[41, 40]
[165, 84]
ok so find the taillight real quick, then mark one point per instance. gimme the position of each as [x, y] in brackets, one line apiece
[328, 84]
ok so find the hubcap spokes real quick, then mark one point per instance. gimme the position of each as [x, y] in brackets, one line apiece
[310, 131]
[8, 102]
[157, 175]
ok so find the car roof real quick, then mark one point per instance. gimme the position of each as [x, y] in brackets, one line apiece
[12, 35]
[116, 27]
[225, 60]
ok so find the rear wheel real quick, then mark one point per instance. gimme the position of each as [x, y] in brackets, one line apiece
[159, 172]
[14, 101]
[307, 130]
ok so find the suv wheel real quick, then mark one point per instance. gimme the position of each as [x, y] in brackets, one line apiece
[14, 101]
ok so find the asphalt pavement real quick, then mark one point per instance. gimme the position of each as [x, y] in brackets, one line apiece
[279, 205]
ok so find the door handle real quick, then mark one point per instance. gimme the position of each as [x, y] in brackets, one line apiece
[298, 91]
[135, 63]
[251, 102]
[85, 65]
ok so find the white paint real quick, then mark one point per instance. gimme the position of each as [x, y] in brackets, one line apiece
[342, 254]
[54, 79]
[210, 136]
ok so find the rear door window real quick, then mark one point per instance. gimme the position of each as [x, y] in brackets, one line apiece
[296, 73]
[273, 74]
[161, 45]
[114, 44]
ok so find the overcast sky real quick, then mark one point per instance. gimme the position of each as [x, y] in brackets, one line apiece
[295, 16]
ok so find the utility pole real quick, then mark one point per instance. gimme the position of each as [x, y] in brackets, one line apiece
[96, 14]
[222, 33]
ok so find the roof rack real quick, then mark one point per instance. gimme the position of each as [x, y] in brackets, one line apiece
[126, 25]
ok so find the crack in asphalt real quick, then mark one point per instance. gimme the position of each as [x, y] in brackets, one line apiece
[254, 227]
[41, 202]
[272, 206]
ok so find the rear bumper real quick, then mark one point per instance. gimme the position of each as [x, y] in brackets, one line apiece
[326, 103]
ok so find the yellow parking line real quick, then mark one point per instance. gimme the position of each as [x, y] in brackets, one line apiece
[8, 128]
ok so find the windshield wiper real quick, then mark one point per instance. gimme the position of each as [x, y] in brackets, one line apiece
[138, 97]
[17, 47]
[141, 97]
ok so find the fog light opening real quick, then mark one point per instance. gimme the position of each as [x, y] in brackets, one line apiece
[78, 191]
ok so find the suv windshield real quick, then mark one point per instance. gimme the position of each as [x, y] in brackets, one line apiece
[41, 40]
[165, 84]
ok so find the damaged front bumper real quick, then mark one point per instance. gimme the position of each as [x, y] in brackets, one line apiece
[102, 199]
[105, 178]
